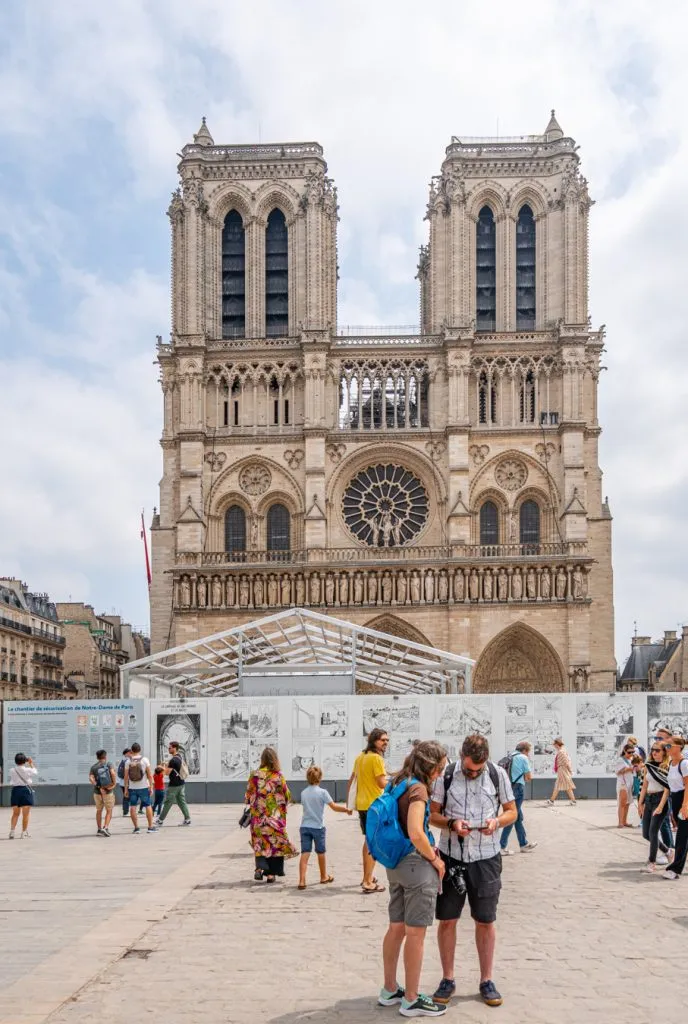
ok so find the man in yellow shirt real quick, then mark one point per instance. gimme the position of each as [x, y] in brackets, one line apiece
[370, 776]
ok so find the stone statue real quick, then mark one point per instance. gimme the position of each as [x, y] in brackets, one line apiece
[285, 588]
[386, 588]
[578, 585]
[344, 589]
[314, 588]
[273, 591]
[396, 530]
[243, 592]
[185, 592]
[487, 585]
[415, 587]
[545, 585]
[202, 592]
[401, 588]
[254, 533]
[231, 592]
[258, 591]
[429, 586]
[442, 586]
[531, 585]
[459, 586]
[358, 588]
[502, 585]
[329, 589]
[386, 528]
[375, 531]
[300, 591]
[217, 592]
[517, 586]
[372, 588]
[561, 585]
[474, 586]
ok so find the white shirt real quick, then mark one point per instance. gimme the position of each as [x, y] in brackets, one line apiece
[474, 801]
[145, 763]
[23, 775]
[677, 773]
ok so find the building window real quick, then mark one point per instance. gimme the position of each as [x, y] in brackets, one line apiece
[485, 271]
[278, 529]
[487, 400]
[235, 530]
[233, 276]
[489, 523]
[276, 275]
[525, 270]
[529, 526]
[528, 398]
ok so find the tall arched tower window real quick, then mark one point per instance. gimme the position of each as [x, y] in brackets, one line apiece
[278, 530]
[525, 270]
[487, 400]
[489, 523]
[485, 271]
[529, 525]
[233, 276]
[276, 275]
[528, 398]
[235, 530]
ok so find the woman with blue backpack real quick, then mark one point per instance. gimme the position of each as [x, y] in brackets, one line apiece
[399, 837]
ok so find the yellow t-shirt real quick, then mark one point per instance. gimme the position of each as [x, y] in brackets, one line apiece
[367, 767]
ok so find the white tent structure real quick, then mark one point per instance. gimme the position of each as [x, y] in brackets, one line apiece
[296, 642]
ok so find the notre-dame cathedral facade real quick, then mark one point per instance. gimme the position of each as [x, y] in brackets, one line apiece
[443, 486]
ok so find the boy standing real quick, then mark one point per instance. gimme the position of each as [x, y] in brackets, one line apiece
[103, 779]
[314, 800]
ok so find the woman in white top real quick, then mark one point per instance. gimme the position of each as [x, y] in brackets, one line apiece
[23, 775]
[678, 786]
[624, 784]
[653, 804]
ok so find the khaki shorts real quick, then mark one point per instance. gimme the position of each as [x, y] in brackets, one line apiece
[106, 800]
[412, 891]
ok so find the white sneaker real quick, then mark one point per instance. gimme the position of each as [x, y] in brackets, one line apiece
[662, 859]
[25, 834]
[11, 835]
[508, 853]
[670, 876]
[648, 869]
[528, 847]
[548, 803]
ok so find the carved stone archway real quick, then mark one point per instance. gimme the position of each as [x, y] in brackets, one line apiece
[395, 626]
[519, 660]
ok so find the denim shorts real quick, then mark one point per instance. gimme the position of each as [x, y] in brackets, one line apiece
[139, 796]
[310, 836]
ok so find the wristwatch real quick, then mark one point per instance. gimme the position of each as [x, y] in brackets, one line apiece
[450, 824]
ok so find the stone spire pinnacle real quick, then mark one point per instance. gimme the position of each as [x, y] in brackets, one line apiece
[203, 136]
[553, 130]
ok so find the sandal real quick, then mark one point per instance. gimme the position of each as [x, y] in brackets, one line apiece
[326, 881]
[258, 875]
[376, 888]
[374, 882]
[301, 886]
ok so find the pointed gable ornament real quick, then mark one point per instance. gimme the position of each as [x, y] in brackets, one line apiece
[203, 136]
[553, 130]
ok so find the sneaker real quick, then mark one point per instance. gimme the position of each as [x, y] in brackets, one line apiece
[662, 859]
[11, 835]
[158, 823]
[101, 832]
[548, 803]
[648, 869]
[107, 832]
[422, 1007]
[528, 847]
[671, 876]
[387, 998]
[187, 821]
[26, 835]
[445, 990]
[152, 829]
[507, 853]
[489, 994]
[136, 831]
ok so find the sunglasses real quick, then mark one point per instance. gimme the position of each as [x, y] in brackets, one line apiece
[473, 773]
[657, 750]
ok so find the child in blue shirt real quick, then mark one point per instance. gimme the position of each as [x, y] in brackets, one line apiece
[314, 800]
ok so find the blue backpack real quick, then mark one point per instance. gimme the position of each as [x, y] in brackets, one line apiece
[384, 837]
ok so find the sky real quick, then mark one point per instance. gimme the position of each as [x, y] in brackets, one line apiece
[96, 100]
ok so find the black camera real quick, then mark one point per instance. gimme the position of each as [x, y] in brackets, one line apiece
[456, 878]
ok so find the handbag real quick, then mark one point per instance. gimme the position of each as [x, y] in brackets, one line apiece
[245, 818]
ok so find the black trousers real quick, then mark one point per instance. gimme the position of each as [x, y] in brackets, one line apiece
[652, 824]
[681, 835]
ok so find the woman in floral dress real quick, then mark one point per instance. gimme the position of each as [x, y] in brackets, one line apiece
[268, 796]
[564, 780]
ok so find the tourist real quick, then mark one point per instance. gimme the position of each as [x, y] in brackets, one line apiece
[413, 885]
[663, 737]
[520, 773]
[624, 771]
[120, 780]
[23, 775]
[138, 787]
[678, 786]
[103, 779]
[176, 772]
[653, 805]
[314, 800]
[466, 806]
[369, 776]
[564, 780]
[268, 797]
[158, 790]
[632, 741]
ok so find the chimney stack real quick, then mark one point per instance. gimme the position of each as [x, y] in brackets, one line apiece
[669, 637]
[640, 641]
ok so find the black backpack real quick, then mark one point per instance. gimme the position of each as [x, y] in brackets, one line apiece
[449, 775]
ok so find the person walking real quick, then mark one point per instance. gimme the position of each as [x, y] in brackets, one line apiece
[653, 805]
[176, 771]
[314, 800]
[564, 780]
[369, 776]
[103, 779]
[23, 776]
[158, 790]
[624, 771]
[678, 787]
[663, 736]
[126, 753]
[413, 884]
[470, 803]
[138, 787]
[268, 797]
[520, 772]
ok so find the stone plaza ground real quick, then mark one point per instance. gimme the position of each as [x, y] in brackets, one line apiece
[172, 927]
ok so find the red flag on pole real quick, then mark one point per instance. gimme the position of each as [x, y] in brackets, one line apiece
[145, 548]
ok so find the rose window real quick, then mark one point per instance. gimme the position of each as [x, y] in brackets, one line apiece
[385, 506]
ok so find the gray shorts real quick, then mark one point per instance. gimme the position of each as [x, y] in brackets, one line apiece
[412, 891]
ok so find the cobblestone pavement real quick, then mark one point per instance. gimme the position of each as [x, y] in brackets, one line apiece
[574, 923]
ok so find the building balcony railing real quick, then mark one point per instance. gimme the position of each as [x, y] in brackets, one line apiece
[18, 627]
[47, 684]
[47, 659]
[49, 637]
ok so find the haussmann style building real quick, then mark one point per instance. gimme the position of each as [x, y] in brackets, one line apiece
[443, 486]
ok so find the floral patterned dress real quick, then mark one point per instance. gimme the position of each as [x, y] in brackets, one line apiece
[563, 770]
[268, 797]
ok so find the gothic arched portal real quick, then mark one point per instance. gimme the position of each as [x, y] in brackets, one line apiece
[398, 627]
[519, 660]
